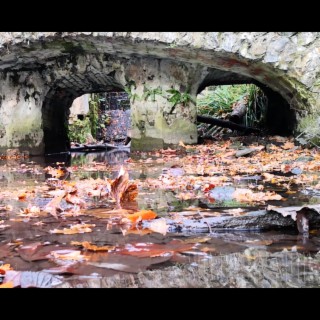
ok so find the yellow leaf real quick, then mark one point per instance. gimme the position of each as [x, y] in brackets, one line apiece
[77, 228]
[7, 285]
[91, 247]
[6, 267]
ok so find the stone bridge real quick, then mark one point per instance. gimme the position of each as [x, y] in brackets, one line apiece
[43, 72]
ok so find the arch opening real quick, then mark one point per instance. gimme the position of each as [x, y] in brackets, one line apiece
[59, 99]
[270, 112]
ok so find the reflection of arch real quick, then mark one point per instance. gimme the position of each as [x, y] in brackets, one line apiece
[280, 117]
[55, 108]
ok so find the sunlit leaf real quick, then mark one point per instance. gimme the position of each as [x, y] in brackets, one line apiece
[7, 285]
[77, 228]
[5, 267]
[75, 200]
[70, 255]
[54, 205]
[141, 215]
[55, 173]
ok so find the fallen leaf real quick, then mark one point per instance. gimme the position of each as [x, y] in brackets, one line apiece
[54, 205]
[120, 189]
[7, 285]
[159, 225]
[77, 228]
[6, 267]
[22, 196]
[134, 230]
[55, 173]
[73, 199]
[91, 247]
[124, 263]
[141, 215]
[197, 240]
[154, 250]
[288, 145]
[130, 194]
[70, 255]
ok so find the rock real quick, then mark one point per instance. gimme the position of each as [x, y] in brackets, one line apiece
[244, 152]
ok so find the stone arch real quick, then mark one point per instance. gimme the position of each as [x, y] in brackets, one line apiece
[57, 102]
[43, 63]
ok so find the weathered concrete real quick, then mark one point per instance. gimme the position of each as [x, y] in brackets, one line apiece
[43, 72]
[80, 106]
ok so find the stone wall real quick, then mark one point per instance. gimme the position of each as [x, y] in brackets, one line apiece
[42, 72]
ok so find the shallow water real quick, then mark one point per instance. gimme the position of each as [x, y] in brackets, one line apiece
[243, 257]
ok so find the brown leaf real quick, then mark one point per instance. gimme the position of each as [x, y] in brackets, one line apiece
[197, 240]
[54, 205]
[130, 194]
[91, 247]
[153, 250]
[55, 173]
[36, 251]
[288, 145]
[71, 256]
[73, 199]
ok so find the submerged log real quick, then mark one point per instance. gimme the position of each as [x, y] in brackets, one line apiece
[227, 124]
[96, 147]
[273, 218]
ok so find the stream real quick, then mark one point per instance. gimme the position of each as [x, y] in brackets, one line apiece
[137, 257]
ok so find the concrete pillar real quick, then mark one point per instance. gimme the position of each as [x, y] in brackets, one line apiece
[21, 98]
[157, 122]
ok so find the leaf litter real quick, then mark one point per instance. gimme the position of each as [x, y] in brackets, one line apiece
[192, 177]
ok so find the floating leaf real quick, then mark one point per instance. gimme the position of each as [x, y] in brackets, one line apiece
[75, 200]
[7, 285]
[77, 228]
[155, 250]
[91, 247]
[141, 215]
[69, 255]
[159, 225]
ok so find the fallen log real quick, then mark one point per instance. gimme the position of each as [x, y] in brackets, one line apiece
[227, 124]
[97, 147]
[238, 112]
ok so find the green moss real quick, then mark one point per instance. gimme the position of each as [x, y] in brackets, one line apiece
[146, 144]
